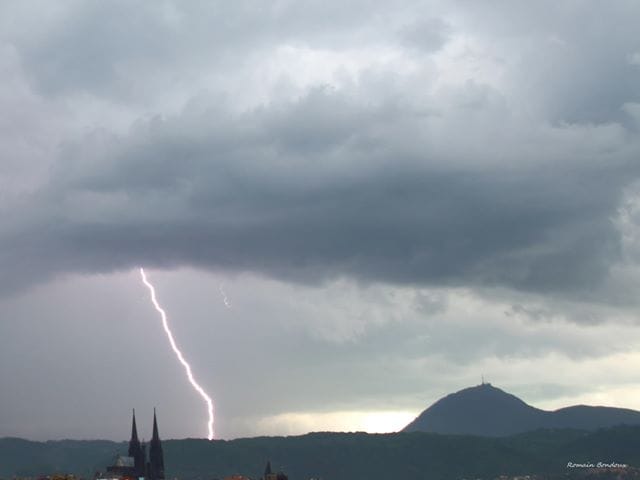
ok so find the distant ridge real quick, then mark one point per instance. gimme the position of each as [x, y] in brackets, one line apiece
[346, 456]
[485, 410]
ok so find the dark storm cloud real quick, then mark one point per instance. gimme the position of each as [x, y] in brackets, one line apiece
[323, 187]
[572, 60]
[110, 49]
[385, 179]
[426, 35]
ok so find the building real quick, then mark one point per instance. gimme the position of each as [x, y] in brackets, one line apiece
[135, 465]
[155, 466]
[270, 475]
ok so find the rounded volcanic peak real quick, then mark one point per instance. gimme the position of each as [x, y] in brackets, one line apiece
[481, 410]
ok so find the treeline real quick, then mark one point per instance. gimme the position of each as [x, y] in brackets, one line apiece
[343, 456]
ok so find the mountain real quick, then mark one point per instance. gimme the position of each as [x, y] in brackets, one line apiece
[485, 410]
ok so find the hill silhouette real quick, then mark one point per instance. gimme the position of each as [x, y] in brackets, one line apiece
[344, 456]
[488, 411]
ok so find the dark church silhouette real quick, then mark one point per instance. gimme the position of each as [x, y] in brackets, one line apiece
[270, 475]
[135, 465]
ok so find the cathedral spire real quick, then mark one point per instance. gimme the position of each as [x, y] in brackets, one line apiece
[134, 443]
[156, 458]
[134, 429]
[155, 437]
[136, 451]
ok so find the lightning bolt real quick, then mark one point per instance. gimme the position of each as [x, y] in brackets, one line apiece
[224, 297]
[178, 353]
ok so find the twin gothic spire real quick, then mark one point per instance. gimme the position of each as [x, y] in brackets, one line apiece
[154, 468]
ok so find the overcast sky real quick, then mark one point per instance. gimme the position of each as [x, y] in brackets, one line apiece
[393, 198]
